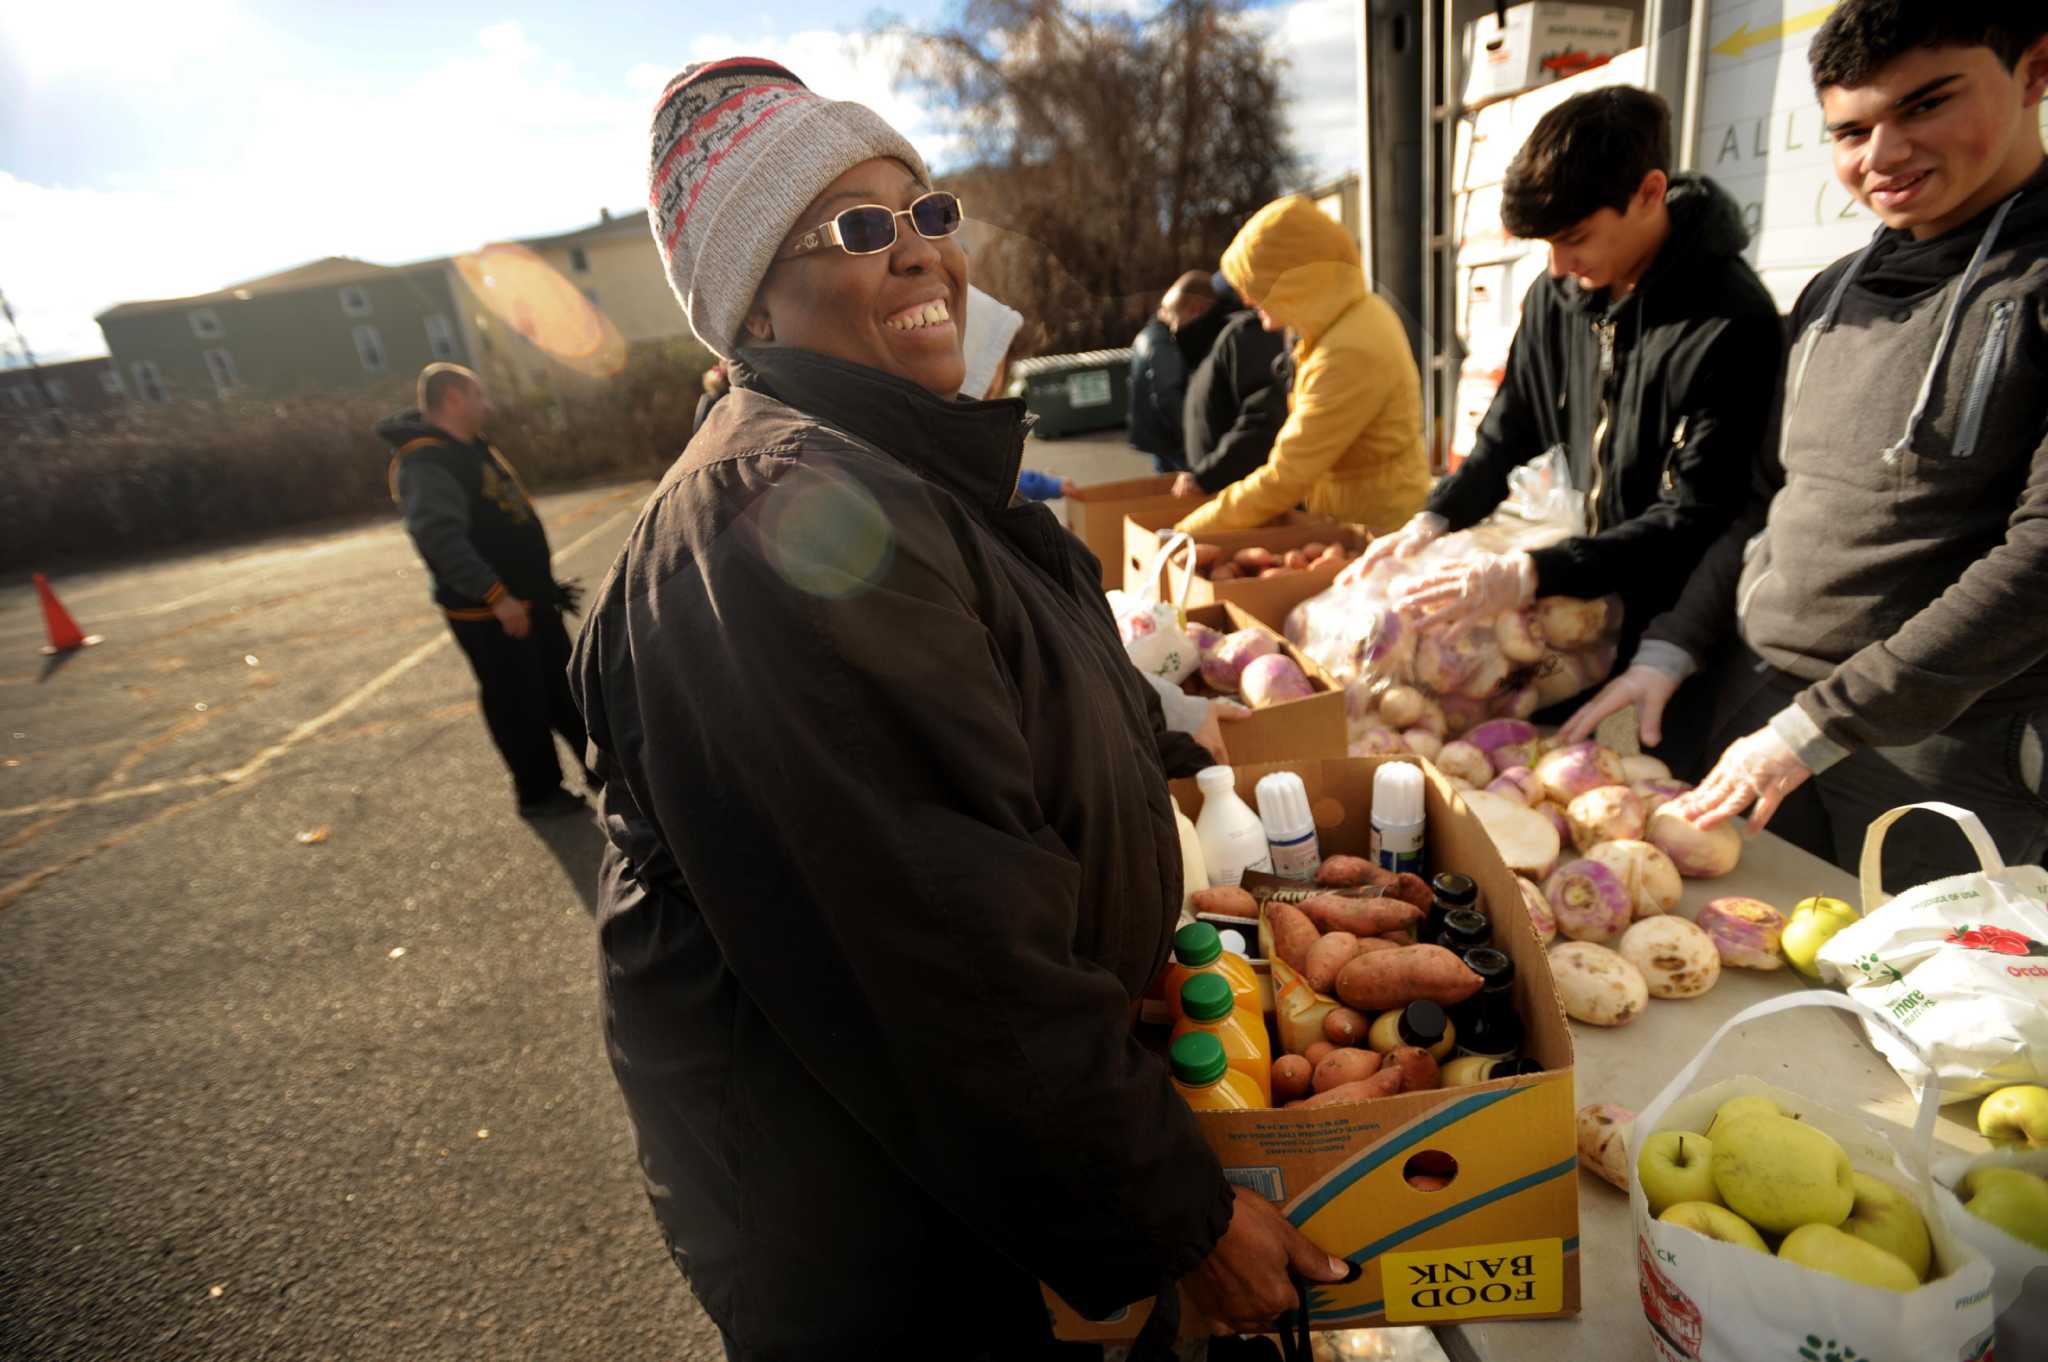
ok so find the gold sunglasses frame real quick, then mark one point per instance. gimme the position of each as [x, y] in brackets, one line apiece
[826, 233]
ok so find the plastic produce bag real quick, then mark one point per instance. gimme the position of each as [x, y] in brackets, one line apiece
[1446, 674]
[1155, 632]
[1959, 965]
[1709, 1301]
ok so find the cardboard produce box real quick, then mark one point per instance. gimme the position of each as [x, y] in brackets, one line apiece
[1500, 1240]
[1265, 599]
[1298, 730]
[1541, 42]
[1095, 516]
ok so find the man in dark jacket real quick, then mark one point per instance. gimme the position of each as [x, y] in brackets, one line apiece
[483, 543]
[1162, 357]
[1885, 595]
[1236, 403]
[1648, 354]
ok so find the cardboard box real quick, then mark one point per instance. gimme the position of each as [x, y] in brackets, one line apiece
[1540, 43]
[1095, 516]
[1501, 1240]
[1265, 599]
[1308, 729]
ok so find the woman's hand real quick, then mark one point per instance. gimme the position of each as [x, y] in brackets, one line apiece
[1243, 1286]
[1184, 485]
[1759, 769]
[1647, 688]
[1210, 734]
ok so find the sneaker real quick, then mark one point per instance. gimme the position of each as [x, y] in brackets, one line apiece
[554, 804]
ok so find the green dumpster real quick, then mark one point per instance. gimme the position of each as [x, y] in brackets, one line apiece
[1073, 393]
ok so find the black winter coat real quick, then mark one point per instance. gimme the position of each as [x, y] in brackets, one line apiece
[1236, 403]
[1683, 373]
[892, 858]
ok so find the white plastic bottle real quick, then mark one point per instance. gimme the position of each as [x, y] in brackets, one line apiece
[1397, 817]
[1290, 829]
[1233, 839]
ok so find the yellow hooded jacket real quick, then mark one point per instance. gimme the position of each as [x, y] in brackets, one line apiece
[1352, 448]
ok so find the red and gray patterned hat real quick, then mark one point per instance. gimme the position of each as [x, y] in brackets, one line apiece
[740, 148]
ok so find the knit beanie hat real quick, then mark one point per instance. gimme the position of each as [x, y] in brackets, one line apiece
[740, 148]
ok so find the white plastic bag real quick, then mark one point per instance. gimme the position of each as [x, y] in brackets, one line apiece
[1709, 1301]
[1959, 965]
[1155, 632]
[2022, 1332]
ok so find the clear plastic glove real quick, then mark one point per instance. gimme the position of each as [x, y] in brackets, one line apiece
[1422, 530]
[1756, 770]
[1648, 689]
[1480, 587]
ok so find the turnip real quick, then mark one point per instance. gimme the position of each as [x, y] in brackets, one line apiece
[1272, 680]
[1652, 880]
[1538, 909]
[1558, 677]
[1745, 932]
[1423, 743]
[1656, 793]
[1460, 713]
[1525, 840]
[1390, 649]
[1555, 813]
[1506, 742]
[1517, 782]
[1377, 742]
[1463, 760]
[1641, 767]
[1489, 671]
[1439, 665]
[1433, 718]
[1361, 704]
[1699, 853]
[1596, 985]
[1568, 622]
[1590, 901]
[1223, 667]
[1519, 703]
[1605, 814]
[1520, 638]
[1675, 957]
[1570, 771]
[1205, 639]
[1401, 706]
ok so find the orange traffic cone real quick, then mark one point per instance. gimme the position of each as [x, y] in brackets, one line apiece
[64, 632]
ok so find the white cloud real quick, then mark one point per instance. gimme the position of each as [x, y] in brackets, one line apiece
[1319, 39]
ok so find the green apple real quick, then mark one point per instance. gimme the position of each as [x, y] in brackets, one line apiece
[1887, 1218]
[1675, 1166]
[2011, 1198]
[1826, 1249]
[1715, 1222]
[1736, 1107]
[1779, 1174]
[1812, 922]
[2016, 1113]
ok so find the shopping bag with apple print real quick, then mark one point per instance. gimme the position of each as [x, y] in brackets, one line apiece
[1710, 1298]
[1960, 965]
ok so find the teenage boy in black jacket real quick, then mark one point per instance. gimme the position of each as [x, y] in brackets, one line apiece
[1886, 607]
[1649, 354]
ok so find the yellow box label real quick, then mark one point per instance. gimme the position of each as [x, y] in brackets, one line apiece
[1525, 1277]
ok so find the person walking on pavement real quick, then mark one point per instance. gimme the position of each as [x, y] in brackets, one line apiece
[485, 548]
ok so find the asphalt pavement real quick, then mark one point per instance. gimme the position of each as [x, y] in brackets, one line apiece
[299, 1055]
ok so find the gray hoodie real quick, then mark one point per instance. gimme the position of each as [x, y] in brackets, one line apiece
[1903, 567]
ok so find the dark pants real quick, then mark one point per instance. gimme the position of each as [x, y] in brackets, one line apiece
[1990, 765]
[525, 695]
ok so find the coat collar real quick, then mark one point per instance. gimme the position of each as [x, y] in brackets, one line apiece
[973, 449]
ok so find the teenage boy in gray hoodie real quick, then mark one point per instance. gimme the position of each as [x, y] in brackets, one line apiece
[1890, 609]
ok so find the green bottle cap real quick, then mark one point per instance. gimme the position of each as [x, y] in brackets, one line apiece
[1207, 997]
[1196, 944]
[1198, 1059]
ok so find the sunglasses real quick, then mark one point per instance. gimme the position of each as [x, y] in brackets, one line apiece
[871, 228]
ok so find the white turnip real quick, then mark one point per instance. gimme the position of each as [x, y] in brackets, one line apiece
[1657, 793]
[1652, 881]
[1699, 853]
[1641, 767]
[1423, 743]
[1555, 813]
[1558, 677]
[1520, 637]
[1675, 957]
[1206, 640]
[1568, 622]
[1506, 742]
[1745, 932]
[1273, 679]
[1518, 782]
[1433, 718]
[1570, 771]
[1596, 985]
[1223, 666]
[1519, 703]
[1604, 815]
[1378, 742]
[1526, 841]
[1589, 900]
[1538, 909]
[1401, 706]
[1461, 713]
[1463, 760]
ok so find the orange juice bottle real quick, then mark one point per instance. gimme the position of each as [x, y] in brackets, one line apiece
[1207, 1004]
[1203, 1076]
[1197, 949]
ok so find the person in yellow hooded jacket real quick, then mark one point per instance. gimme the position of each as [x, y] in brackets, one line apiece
[1351, 448]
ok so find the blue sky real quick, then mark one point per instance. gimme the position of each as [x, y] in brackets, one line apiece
[153, 150]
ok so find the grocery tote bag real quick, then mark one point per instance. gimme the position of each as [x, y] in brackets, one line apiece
[1155, 633]
[1709, 1301]
[1959, 967]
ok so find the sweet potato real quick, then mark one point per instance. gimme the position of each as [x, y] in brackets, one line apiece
[1396, 938]
[1316, 1052]
[1381, 943]
[1222, 572]
[1253, 559]
[1418, 1068]
[1409, 889]
[1292, 1076]
[1377, 980]
[1341, 871]
[1314, 548]
[1208, 555]
[1332, 952]
[1293, 934]
[1385, 1083]
[1277, 570]
[1346, 1064]
[1345, 1026]
[1227, 901]
[1360, 917]
[1295, 558]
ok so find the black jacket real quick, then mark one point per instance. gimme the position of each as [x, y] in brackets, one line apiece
[468, 515]
[1696, 351]
[1236, 402]
[1159, 379]
[892, 859]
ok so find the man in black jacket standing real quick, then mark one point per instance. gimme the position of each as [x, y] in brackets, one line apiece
[1649, 354]
[483, 543]
[1236, 402]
